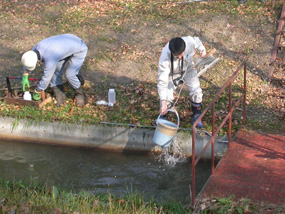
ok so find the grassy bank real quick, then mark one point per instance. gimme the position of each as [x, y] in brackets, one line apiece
[23, 198]
[125, 39]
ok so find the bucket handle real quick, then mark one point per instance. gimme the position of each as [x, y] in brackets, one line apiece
[174, 111]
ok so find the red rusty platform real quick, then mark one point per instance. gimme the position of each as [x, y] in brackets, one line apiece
[254, 168]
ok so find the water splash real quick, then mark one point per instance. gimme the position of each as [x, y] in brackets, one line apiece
[172, 154]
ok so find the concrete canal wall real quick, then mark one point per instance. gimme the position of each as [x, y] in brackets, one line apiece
[103, 137]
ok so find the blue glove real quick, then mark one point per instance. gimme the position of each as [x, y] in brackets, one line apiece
[25, 82]
[36, 95]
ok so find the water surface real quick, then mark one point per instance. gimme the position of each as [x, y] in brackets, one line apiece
[80, 169]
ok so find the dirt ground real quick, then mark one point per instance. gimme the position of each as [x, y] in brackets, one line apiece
[124, 47]
[231, 35]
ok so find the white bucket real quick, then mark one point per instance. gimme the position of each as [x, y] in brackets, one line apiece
[165, 131]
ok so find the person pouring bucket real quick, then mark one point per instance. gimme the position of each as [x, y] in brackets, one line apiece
[176, 67]
[61, 54]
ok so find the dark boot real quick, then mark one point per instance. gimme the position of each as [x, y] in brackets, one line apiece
[81, 79]
[59, 94]
[79, 96]
[197, 110]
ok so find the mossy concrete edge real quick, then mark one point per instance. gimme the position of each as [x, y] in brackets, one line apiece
[103, 137]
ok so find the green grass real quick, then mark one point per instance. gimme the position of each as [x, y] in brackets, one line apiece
[19, 197]
[137, 104]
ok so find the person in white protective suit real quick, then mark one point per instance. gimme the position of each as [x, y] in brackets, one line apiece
[175, 67]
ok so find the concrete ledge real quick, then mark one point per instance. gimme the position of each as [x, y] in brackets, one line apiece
[104, 137]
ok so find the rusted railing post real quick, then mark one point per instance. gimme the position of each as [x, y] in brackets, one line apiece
[278, 37]
[213, 141]
[230, 118]
[193, 166]
[215, 130]
[244, 94]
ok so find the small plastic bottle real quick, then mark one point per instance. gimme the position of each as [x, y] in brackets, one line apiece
[111, 97]
[27, 95]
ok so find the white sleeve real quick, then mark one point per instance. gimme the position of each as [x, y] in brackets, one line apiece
[163, 73]
[199, 45]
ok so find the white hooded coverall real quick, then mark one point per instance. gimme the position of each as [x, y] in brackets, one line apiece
[165, 86]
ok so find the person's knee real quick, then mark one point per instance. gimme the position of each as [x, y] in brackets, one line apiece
[73, 81]
[197, 97]
[70, 73]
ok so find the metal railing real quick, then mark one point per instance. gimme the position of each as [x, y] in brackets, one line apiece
[216, 131]
[279, 34]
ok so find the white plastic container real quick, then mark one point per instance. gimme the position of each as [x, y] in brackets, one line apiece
[111, 97]
[27, 96]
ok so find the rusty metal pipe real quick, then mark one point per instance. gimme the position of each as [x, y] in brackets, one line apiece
[244, 95]
[32, 79]
[230, 118]
[215, 132]
[193, 165]
[213, 141]
[278, 36]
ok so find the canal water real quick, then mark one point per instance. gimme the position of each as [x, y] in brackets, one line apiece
[95, 171]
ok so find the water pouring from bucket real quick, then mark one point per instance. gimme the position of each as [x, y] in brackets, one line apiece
[165, 130]
[172, 155]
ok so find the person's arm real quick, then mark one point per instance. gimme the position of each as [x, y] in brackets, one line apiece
[163, 78]
[200, 47]
[203, 53]
[162, 82]
[163, 107]
[49, 69]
